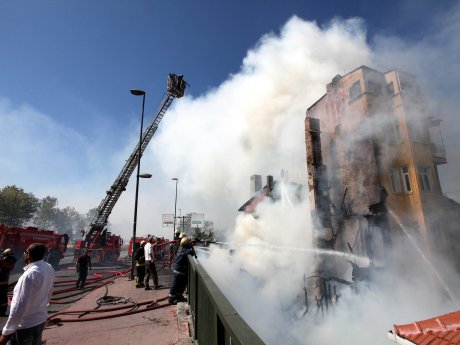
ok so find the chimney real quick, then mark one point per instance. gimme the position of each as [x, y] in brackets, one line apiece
[270, 182]
[255, 184]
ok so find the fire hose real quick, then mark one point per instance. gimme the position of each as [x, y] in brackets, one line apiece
[98, 279]
[133, 307]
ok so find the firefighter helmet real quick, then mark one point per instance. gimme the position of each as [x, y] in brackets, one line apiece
[143, 242]
[7, 252]
[182, 235]
[185, 241]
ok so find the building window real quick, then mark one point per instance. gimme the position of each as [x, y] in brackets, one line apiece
[407, 86]
[395, 180]
[416, 132]
[355, 90]
[406, 179]
[391, 88]
[425, 179]
[374, 88]
[392, 133]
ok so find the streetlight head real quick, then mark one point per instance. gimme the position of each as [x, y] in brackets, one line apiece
[136, 92]
[175, 179]
[145, 175]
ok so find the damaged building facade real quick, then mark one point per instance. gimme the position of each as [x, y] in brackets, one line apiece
[373, 152]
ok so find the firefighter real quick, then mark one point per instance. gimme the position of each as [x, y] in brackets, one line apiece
[7, 262]
[180, 271]
[140, 265]
[82, 265]
[180, 236]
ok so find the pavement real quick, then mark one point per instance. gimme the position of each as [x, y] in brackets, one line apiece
[149, 320]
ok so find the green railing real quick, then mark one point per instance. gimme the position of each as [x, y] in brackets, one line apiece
[215, 321]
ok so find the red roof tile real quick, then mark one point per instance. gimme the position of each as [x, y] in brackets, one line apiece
[441, 330]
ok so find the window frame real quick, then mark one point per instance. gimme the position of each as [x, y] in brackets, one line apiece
[352, 94]
[407, 186]
[426, 179]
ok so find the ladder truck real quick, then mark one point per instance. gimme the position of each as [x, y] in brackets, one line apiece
[101, 245]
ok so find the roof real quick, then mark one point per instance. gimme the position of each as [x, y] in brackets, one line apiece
[251, 204]
[440, 330]
[273, 193]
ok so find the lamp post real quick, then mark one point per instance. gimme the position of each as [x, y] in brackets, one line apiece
[137, 93]
[175, 205]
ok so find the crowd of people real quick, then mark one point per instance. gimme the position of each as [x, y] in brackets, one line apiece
[29, 305]
[145, 256]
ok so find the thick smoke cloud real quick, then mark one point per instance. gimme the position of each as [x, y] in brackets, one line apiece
[253, 123]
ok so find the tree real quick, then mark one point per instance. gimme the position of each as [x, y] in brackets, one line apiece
[90, 215]
[68, 221]
[47, 212]
[86, 221]
[205, 234]
[16, 206]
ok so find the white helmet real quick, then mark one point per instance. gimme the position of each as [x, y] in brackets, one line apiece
[7, 252]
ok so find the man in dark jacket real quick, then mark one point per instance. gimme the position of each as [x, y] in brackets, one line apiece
[181, 270]
[139, 259]
[7, 261]
[82, 265]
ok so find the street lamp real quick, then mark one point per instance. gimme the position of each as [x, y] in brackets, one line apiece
[175, 204]
[137, 93]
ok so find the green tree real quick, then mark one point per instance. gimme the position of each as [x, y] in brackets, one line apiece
[68, 220]
[205, 234]
[47, 212]
[16, 206]
[90, 216]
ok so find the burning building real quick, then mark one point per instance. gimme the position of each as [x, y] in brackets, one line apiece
[373, 151]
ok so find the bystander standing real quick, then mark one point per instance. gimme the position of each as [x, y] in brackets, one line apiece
[29, 306]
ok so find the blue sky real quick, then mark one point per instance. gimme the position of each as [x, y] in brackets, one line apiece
[68, 121]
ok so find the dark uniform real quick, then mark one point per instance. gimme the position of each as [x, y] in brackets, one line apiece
[180, 273]
[83, 263]
[6, 266]
[140, 266]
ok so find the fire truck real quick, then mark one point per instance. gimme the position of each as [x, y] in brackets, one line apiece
[100, 244]
[138, 243]
[19, 238]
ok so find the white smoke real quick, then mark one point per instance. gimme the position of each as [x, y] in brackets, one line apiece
[253, 123]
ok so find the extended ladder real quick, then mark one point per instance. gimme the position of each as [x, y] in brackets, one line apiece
[175, 89]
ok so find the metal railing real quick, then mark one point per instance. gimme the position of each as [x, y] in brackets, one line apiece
[215, 321]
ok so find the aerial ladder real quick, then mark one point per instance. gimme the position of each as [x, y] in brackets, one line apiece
[100, 243]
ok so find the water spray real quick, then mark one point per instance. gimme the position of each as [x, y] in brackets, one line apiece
[425, 259]
[361, 261]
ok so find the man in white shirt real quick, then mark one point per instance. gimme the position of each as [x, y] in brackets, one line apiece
[150, 268]
[29, 307]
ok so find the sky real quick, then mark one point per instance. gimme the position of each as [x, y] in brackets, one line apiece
[68, 121]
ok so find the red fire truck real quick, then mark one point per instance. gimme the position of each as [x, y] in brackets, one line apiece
[138, 243]
[19, 238]
[104, 248]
